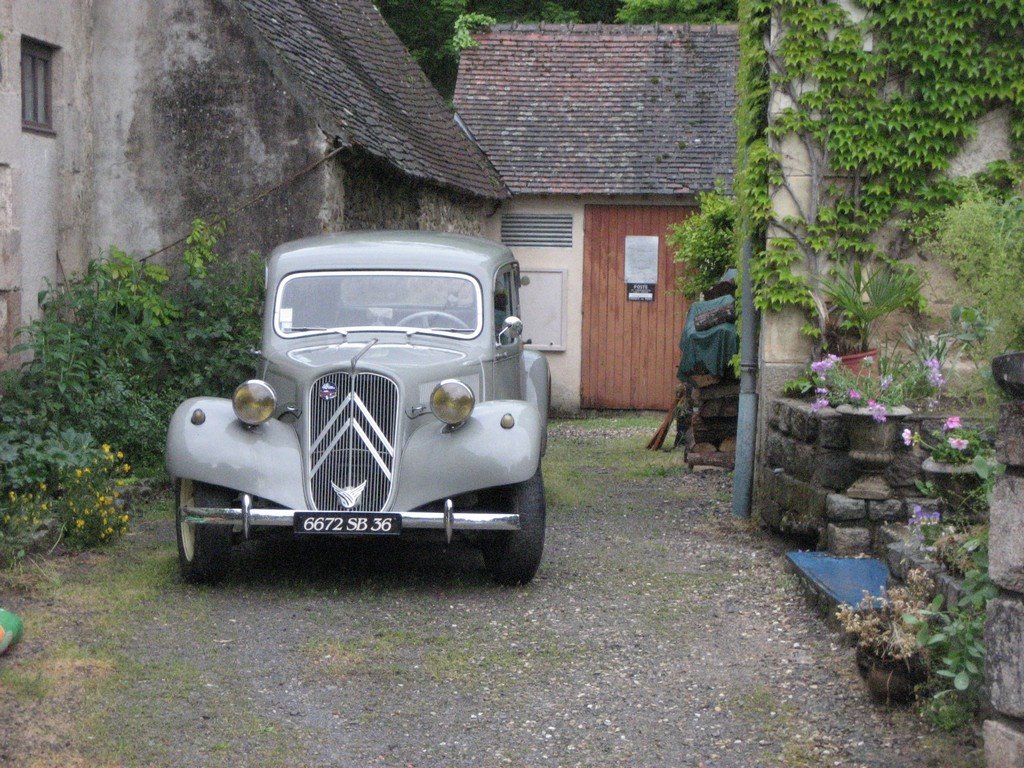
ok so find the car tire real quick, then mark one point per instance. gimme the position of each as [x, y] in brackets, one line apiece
[204, 550]
[513, 557]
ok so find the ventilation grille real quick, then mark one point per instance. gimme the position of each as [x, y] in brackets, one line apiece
[352, 427]
[545, 230]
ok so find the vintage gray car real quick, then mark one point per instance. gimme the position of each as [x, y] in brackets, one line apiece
[394, 398]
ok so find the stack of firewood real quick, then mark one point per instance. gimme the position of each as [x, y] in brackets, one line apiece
[707, 421]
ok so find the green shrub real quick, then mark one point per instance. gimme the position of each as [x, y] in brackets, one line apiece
[705, 243]
[113, 352]
[982, 239]
[115, 349]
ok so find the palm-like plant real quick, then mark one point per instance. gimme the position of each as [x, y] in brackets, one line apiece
[864, 297]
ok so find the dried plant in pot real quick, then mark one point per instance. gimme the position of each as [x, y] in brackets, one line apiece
[889, 657]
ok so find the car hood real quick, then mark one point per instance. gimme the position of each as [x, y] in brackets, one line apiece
[381, 357]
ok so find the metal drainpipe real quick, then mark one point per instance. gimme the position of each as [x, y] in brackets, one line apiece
[746, 422]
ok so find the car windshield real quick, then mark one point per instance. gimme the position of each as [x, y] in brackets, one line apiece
[442, 303]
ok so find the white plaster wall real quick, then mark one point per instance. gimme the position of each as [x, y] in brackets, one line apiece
[565, 366]
[49, 174]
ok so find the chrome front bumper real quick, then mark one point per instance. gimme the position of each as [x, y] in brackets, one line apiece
[448, 520]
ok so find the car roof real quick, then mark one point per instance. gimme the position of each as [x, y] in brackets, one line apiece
[412, 249]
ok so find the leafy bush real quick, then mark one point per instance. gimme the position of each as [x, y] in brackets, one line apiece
[115, 349]
[982, 239]
[113, 352]
[954, 641]
[705, 243]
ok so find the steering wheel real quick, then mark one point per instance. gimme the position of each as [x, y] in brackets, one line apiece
[425, 316]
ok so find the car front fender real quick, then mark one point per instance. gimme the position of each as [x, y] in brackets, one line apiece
[264, 461]
[437, 464]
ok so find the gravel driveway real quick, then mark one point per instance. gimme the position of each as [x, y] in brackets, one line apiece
[659, 632]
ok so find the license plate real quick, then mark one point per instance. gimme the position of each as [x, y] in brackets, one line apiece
[349, 523]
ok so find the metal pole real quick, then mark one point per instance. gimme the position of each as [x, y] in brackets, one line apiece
[746, 422]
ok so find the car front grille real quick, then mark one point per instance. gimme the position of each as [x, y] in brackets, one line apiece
[353, 421]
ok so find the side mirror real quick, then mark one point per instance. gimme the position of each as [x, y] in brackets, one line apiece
[511, 330]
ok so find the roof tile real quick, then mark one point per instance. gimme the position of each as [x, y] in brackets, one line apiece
[368, 90]
[590, 108]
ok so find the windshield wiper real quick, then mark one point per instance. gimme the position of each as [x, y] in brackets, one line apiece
[308, 328]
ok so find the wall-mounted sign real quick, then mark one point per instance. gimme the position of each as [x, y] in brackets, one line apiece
[640, 291]
[641, 259]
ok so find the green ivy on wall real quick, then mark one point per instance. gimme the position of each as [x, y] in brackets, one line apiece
[879, 106]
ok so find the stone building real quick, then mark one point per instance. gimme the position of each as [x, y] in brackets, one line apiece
[122, 121]
[604, 136]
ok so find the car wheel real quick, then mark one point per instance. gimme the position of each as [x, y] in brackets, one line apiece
[513, 557]
[204, 550]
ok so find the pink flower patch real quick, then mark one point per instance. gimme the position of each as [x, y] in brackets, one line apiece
[853, 394]
[908, 437]
[953, 422]
[957, 443]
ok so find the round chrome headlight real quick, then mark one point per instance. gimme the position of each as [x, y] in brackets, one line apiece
[452, 402]
[254, 402]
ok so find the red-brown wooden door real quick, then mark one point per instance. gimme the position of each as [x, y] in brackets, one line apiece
[630, 348]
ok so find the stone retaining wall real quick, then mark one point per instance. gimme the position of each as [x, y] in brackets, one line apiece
[1004, 627]
[806, 468]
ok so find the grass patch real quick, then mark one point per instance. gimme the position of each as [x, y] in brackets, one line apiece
[23, 684]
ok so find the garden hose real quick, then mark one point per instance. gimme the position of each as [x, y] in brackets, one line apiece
[10, 629]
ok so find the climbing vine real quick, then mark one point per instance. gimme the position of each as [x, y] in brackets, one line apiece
[877, 102]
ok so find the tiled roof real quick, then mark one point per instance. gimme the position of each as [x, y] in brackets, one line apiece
[599, 109]
[367, 90]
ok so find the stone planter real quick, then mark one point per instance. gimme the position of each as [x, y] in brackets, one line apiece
[1008, 372]
[891, 682]
[872, 448]
[959, 489]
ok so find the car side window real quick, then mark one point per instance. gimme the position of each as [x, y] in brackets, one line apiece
[506, 298]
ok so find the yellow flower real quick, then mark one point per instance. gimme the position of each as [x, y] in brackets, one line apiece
[42, 486]
[120, 454]
[78, 473]
[106, 448]
[124, 518]
[126, 468]
[12, 496]
[80, 523]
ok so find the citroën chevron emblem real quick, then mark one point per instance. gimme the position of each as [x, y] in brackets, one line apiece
[349, 497]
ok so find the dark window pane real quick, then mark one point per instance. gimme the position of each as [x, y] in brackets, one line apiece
[42, 68]
[27, 89]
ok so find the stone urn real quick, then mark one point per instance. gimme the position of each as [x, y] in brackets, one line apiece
[872, 448]
[1008, 372]
[959, 489]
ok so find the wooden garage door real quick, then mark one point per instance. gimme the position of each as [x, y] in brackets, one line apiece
[630, 348]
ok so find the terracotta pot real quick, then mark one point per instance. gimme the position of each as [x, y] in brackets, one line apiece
[857, 362]
[891, 682]
[959, 490]
[872, 448]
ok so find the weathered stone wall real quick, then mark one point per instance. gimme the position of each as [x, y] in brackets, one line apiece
[367, 194]
[807, 468]
[192, 121]
[1004, 627]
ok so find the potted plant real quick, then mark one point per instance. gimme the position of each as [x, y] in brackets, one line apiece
[889, 657]
[856, 299]
[958, 463]
[874, 408]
